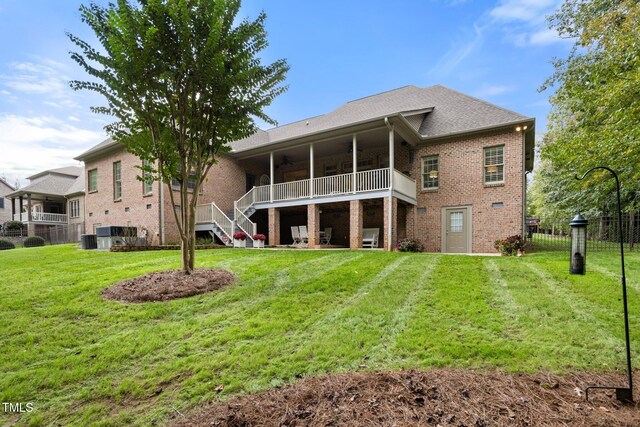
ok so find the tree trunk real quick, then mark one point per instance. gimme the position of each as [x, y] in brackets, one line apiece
[632, 231]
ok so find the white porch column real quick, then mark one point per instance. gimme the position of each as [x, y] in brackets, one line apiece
[271, 168]
[355, 162]
[311, 170]
[390, 204]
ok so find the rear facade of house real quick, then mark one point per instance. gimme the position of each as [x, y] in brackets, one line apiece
[425, 163]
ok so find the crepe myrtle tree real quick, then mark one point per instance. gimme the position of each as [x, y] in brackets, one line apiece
[182, 79]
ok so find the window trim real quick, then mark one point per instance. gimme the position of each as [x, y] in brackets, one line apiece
[74, 208]
[423, 173]
[95, 171]
[117, 181]
[147, 186]
[485, 166]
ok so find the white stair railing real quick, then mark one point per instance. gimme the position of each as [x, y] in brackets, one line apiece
[244, 223]
[246, 201]
[221, 220]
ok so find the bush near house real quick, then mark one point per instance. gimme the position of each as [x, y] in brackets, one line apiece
[510, 246]
[410, 245]
[12, 226]
[5, 244]
[33, 241]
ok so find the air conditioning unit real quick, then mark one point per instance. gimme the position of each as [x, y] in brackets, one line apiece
[88, 241]
[105, 243]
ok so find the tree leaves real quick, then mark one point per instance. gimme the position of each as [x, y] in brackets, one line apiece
[596, 106]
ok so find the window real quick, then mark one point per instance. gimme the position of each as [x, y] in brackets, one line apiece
[191, 183]
[117, 180]
[1, 202]
[74, 208]
[430, 173]
[363, 165]
[93, 180]
[330, 170]
[147, 179]
[494, 164]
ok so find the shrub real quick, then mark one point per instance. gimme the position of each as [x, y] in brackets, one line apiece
[5, 244]
[510, 246]
[259, 237]
[241, 235]
[33, 241]
[203, 241]
[410, 245]
[12, 226]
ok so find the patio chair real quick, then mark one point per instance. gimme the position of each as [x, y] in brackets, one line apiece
[370, 237]
[325, 237]
[295, 235]
[304, 235]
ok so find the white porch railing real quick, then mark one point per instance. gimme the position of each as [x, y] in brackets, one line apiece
[371, 180]
[212, 214]
[291, 190]
[245, 201]
[337, 184]
[41, 217]
[404, 185]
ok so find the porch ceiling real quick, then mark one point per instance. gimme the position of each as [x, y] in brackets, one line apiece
[376, 139]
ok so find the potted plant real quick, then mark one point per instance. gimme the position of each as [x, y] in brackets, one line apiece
[258, 240]
[240, 239]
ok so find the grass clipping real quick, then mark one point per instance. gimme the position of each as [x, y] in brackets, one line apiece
[169, 285]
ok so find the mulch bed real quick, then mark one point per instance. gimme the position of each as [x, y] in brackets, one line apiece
[444, 397]
[168, 285]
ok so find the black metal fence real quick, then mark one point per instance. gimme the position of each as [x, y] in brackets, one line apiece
[602, 233]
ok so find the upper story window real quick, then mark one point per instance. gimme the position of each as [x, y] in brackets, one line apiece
[1, 202]
[430, 172]
[74, 208]
[330, 170]
[117, 180]
[93, 180]
[191, 183]
[147, 179]
[494, 165]
[363, 165]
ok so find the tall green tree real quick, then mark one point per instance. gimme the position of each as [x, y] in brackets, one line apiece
[596, 105]
[182, 79]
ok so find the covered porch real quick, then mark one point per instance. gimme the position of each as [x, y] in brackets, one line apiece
[34, 208]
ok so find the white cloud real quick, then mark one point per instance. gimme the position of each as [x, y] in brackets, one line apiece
[32, 144]
[487, 91]
[458, 52]
[45, 78]
[545, 36]
[522, 10]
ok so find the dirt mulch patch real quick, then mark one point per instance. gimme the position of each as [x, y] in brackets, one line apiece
[168, 285]
[444, 397]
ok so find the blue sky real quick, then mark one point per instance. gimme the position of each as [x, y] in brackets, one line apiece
[499, 51]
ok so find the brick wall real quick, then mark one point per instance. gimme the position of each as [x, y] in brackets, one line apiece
[461, 182]
[134, 208]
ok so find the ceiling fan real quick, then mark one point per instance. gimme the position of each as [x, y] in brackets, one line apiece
[286, 161]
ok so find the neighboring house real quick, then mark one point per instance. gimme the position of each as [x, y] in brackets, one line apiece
[54, 197]
[5, 204]
[426, 163]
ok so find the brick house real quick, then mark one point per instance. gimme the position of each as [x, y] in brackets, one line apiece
[427, 163]
[54, 197]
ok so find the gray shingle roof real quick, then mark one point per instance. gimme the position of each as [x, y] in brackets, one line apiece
[453, 112]
[67, 170]
[77, 187]
[104, 145]
[57, 185]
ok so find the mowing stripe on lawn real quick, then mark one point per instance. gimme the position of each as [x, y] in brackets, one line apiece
[580, 308]
[454, 325]
[384, 353]
[510, 308]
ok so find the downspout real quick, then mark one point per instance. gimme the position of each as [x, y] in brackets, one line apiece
[161, 208]
[391, 170]
[524, 187]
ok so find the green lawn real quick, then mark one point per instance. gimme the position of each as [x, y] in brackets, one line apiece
[81, 360]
